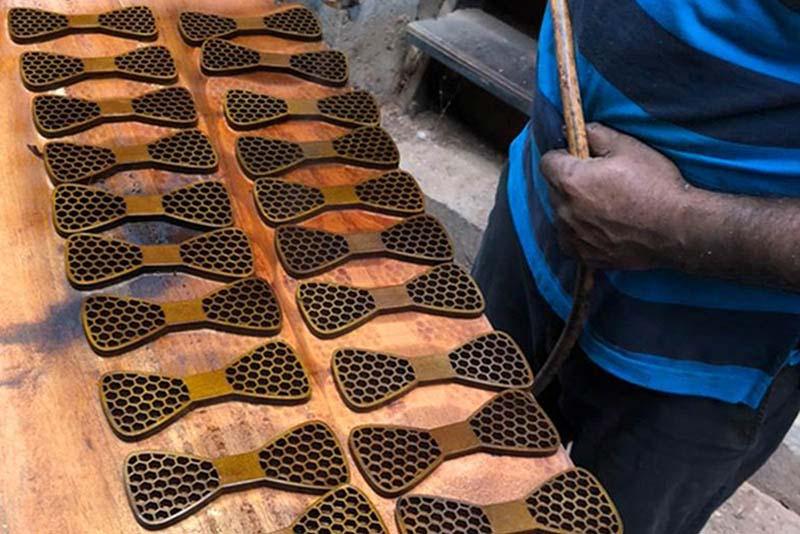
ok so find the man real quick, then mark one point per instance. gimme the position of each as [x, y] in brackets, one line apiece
[686, 379]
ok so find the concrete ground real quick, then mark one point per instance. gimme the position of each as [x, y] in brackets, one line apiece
[459, 175]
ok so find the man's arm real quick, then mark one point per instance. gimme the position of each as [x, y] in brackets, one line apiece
[629, 208]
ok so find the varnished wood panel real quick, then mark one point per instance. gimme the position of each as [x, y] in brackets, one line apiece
[60, 463]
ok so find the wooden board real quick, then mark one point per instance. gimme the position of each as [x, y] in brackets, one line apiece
[60, 464]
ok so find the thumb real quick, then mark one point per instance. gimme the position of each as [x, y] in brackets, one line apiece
[603, 141]
[556, 165]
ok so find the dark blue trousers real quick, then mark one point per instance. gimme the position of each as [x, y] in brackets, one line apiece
[667, 460]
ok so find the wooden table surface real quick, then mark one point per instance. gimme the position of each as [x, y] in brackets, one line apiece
[60, 463]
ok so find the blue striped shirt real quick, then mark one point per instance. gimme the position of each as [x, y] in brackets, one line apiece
[715, 86]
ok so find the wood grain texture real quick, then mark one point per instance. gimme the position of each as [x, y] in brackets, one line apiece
[578, 144]
[61, 465]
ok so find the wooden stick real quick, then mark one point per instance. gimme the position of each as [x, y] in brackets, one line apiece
[579, 147]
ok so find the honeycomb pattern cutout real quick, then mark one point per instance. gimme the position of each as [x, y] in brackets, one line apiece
[304, 251]
[368, 146]
[185, 151]
[421, 514]
[43, 70]
[28, 24]
[70, 162]
[307, 457]
[134, 21]
[356, 107]
[260, 156]
[394, 193]
[204, 204]
[574, 501]
[343, 510]
[247, 109]
[328, 67]
[331, 310]
[196, 27]
[114, 324]
[167, 107]
[224, 253]
[136, 404]
[514, 422]
[81, 208]
[295, 23]
[367, 379]
[189, 150]
[164, 487]
[280, 202]
[421, 238]
[219, 57]
[93, 260]
[56, 115]
[447, 289]
[271, 371]
[394, 459]
[247, 304]
[492, 359]
[153, 63]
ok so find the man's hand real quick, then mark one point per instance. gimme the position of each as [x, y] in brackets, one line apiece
[621, 209]
[628, 207]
